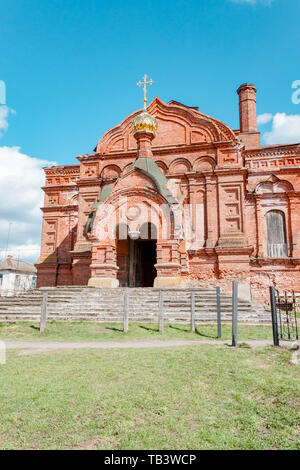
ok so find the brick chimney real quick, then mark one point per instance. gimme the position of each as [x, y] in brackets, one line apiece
[247, 108]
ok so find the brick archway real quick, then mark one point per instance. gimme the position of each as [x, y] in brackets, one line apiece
[164, 256]
[136, 256]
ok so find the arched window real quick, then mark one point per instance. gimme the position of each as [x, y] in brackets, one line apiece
[277, 245]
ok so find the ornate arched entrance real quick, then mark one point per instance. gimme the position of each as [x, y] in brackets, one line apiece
[136, 256]
[127, 249]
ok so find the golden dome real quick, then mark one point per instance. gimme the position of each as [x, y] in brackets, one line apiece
[144, 122]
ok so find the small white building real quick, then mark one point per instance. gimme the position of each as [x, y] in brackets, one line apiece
[16, 276]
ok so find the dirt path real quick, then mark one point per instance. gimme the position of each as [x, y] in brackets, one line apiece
[30, 347]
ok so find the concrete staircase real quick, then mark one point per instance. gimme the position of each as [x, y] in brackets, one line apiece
[92, 304]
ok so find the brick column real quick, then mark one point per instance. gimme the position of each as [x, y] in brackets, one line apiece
[47, 264]
[104, 267]
[168, 264]
[211, 210]
[295, 225]
[259, 249]
[233, 250]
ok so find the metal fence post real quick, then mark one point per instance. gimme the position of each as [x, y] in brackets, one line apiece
[161, 313]
[192, 311]
[219, 312]
[274, 316]
[44, 313]
[278, 312]
[125, 322]
[234, 312]
[295, 315]
[287, 314]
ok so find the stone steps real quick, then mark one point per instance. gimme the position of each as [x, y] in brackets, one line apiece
[107, 319]
[146, 306]
[101, 308]
[77, 303]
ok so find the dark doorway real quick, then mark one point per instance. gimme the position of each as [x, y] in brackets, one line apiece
[144, 252]
[136, 260]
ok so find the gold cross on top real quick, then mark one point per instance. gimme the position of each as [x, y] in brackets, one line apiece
[145, 83]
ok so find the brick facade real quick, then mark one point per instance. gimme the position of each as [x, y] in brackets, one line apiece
[221, 181]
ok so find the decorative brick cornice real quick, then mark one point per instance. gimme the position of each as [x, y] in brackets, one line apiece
[62, 176]
[88, 182]
[231, 171]
[273, 158]
[253, 195]
[59, 208]
[55, 187]
[75, 254]
[274, 164]
[62, 170]
[233, 249]
[90, 157]
[273, 151]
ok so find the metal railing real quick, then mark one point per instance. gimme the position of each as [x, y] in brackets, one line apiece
[284, 315]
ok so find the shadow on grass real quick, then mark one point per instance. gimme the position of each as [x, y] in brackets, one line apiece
[241, 345]
[205, 336]
[35, 327]
[185, 330]
[113, 328]
[148, 328]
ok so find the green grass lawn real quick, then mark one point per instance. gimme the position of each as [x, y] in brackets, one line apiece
[191, 397]
[88, 331]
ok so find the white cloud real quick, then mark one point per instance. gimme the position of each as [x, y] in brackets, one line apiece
[264, 118]
[21, 197]
[4, 112]
[285, 129]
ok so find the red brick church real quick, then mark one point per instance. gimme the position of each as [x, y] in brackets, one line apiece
[172, 197]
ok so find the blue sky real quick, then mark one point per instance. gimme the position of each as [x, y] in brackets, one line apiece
[71, 67]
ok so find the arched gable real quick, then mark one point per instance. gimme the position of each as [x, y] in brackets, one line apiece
[273, 185]
[177, 125]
